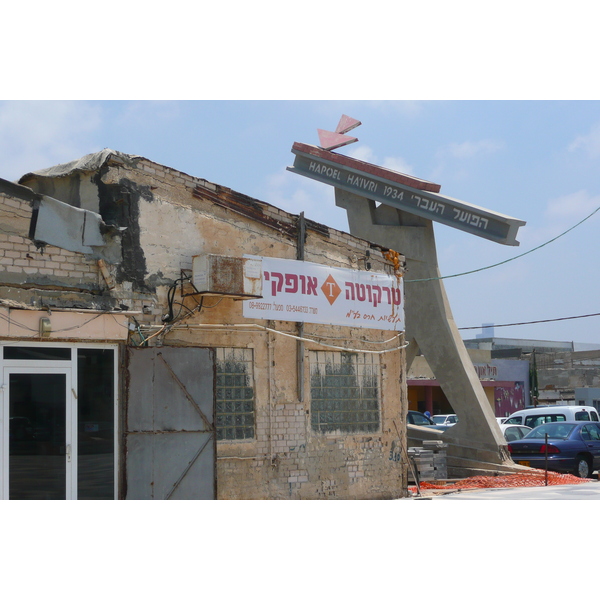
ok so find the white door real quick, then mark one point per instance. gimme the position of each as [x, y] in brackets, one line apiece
[38, 433]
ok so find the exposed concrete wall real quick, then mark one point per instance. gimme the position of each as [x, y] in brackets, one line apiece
[563, 372]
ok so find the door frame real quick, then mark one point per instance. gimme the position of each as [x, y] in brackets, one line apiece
[69, 367]
[70, 422]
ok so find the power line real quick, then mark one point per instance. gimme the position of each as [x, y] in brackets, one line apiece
[534, 322]
[510, 259]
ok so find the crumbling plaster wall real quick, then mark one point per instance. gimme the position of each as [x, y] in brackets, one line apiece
[45, 275]
[175, 224]
[285, 459]
[171, 217]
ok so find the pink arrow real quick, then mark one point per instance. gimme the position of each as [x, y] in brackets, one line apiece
[330, 140]
[346, 124]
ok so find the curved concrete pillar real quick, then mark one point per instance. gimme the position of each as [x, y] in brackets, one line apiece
[430, 325]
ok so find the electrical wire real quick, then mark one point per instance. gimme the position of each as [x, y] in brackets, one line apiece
[534, 322]
[233, 327]
[12, 321]
[509, 259]
[331, 346]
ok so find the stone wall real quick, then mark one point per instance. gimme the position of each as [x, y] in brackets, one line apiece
[171, 217]
[286, 459]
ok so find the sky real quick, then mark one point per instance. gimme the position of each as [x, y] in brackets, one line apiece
[535, 160]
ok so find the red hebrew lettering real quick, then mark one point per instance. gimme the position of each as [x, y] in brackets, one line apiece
[276, 286]
[303, 281]
[388, 292]
[312, 286]
[396, 296]
[349, 294]
[291, 282]
[361, 294]
[376, 293]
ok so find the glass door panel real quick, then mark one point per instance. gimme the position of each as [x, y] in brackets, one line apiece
[38, 449]
[96, 424]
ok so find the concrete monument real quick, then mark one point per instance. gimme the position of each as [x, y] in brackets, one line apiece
[397, 211]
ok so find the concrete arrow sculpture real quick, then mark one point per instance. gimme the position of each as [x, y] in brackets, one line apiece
[330, 140]
[346, 124]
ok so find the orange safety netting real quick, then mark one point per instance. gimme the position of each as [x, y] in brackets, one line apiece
[534, 477]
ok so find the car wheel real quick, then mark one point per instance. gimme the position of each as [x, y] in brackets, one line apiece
[583, 468]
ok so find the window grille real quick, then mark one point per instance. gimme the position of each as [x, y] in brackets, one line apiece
[235, 394]
[344, 392]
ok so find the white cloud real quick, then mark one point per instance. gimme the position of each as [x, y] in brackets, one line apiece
[35, 135]
[362, 153]
[469, 149]
[589, 143]
[395, 163]
[296, 194]
[453, 160]
[572, 206]
[137, 114]
[560, 215]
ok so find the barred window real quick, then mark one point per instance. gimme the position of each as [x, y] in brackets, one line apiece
[344, 391]
[235, 394]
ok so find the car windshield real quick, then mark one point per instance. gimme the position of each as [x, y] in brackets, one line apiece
[554, 431]
[419, 419]
[439, 419]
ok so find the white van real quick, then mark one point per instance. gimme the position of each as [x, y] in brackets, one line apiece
[532, 417]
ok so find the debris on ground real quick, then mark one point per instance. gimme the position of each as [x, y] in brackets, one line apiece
[532, 478]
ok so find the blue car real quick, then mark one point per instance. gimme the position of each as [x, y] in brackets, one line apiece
[572, 447]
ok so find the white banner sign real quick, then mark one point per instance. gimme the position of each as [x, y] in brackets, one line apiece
[295, 290]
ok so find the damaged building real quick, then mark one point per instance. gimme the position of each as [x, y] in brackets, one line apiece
[160, 339]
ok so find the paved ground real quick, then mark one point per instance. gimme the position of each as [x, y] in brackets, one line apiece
[582, 491]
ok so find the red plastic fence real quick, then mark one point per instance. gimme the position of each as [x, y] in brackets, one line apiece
[532, 478]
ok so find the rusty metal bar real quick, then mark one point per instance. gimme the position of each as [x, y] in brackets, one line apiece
[300, 343]
[186, 470]
[209, 425]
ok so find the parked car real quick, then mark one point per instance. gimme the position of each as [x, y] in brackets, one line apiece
[532, 417]
[572, 447]
[445, 419]
[414, 417]
[512, 433]
[501, 420]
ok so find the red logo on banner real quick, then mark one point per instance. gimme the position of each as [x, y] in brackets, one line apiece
[331, 289]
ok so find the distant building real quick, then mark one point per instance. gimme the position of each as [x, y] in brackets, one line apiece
[504, 347]
[567, 372]
[487, 331]
[505, 382]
